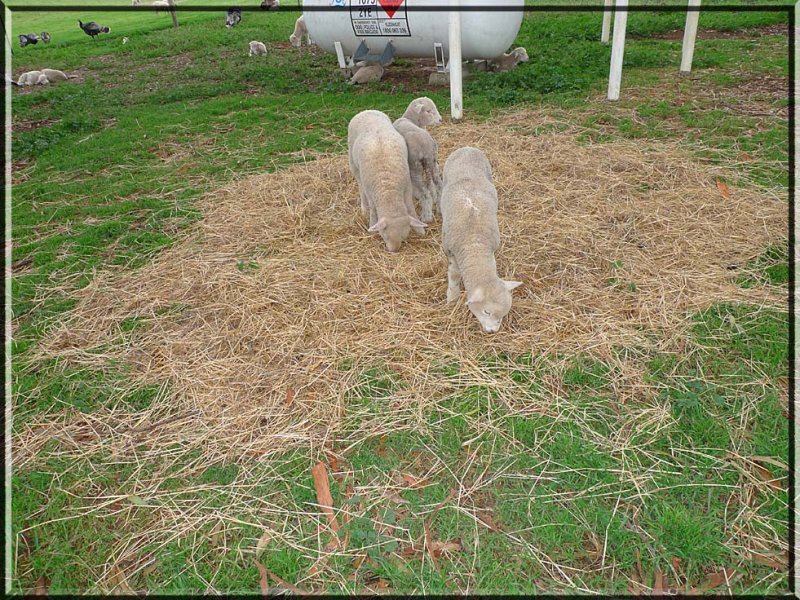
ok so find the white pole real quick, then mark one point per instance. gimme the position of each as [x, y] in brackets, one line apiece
[689, 35]
[617, 50]
[606, 22]
[454, 63]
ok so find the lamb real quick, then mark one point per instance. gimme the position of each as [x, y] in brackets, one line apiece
[422, 112]
[160, 4]
[423, 166]
[510, 60]
[32, 78]
[470, 236]
[54, 75]
[367, 74]
[257, 49]
[270, 4]
[136, 2]
[300, 30]
[379, 161]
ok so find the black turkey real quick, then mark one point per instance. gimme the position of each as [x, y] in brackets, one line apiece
[93, 29]
[45, 37]
[233, 17]
[270, 4]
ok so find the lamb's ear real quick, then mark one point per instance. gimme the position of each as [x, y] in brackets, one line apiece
[510, 285]
[416, 222]
[475, 295]
[380, 225]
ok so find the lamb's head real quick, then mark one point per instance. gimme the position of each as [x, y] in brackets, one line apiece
[423, 112]
[491, 302]
[295, 40]
[520, 54]
[395, 230]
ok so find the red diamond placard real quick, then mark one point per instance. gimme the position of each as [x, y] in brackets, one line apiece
[391, 6]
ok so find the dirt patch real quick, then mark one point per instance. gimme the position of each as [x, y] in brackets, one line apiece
[22, 126]
[714, 34]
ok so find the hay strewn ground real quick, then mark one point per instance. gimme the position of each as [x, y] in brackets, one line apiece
[280, 290]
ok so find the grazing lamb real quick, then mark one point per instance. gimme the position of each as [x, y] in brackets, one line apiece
[423, 167]
[300, 31]
[54, 75]
[368, 74]
[257, 49]
[422, 112]
[378, 160]
[136, 2]
[270, 4]
[470, 237]
[510, 60]
[32, 78]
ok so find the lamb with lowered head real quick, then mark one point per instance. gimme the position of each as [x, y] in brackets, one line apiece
[470, 236]
[379, 162]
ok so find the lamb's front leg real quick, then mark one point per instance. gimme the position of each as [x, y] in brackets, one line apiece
[453, 280]
[364, 202]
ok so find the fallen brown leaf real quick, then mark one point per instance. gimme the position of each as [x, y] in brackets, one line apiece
[779, 564]
[723, 189]
[289, 396]
[658, 586]
[439, 548]
[745, 156]
[772, 482]
[324, 497]
[42, 585]
[119, 580]
[262, 542]
[717, 579]
[429, 545]
[412, 481]
[264, 581]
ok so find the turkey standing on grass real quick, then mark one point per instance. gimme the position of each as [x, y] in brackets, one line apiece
[233, 17]
[91, 28]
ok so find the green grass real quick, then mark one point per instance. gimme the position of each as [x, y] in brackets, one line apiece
[610, 487]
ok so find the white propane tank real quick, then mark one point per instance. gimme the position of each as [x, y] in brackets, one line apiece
[484, 34]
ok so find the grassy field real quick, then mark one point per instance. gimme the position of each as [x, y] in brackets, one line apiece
[108, 172]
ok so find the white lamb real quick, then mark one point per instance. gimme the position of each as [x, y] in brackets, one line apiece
[510, 60]
[470, 237]
[32, 78]
[423, 166]
[54, 75]
[136, 2]
[422, 112]
[300, 31]
[161, 4]
[379, 162]
[367, 74]
[257, 49]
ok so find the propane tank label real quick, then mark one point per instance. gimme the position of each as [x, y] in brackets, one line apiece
[379, 18]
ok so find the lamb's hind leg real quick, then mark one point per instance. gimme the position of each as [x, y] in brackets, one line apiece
[408, 200]
[453, 280]
[420, 186]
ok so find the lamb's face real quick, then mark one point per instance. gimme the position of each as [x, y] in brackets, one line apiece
[521, 54]
[427, 113]
[491, 303]
[295, 40]
[395, 233]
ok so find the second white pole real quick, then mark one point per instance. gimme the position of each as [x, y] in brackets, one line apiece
[454, 63]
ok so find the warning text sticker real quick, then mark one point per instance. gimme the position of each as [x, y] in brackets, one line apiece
[379, 18]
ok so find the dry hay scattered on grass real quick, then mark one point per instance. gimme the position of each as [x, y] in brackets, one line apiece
[281, 288]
